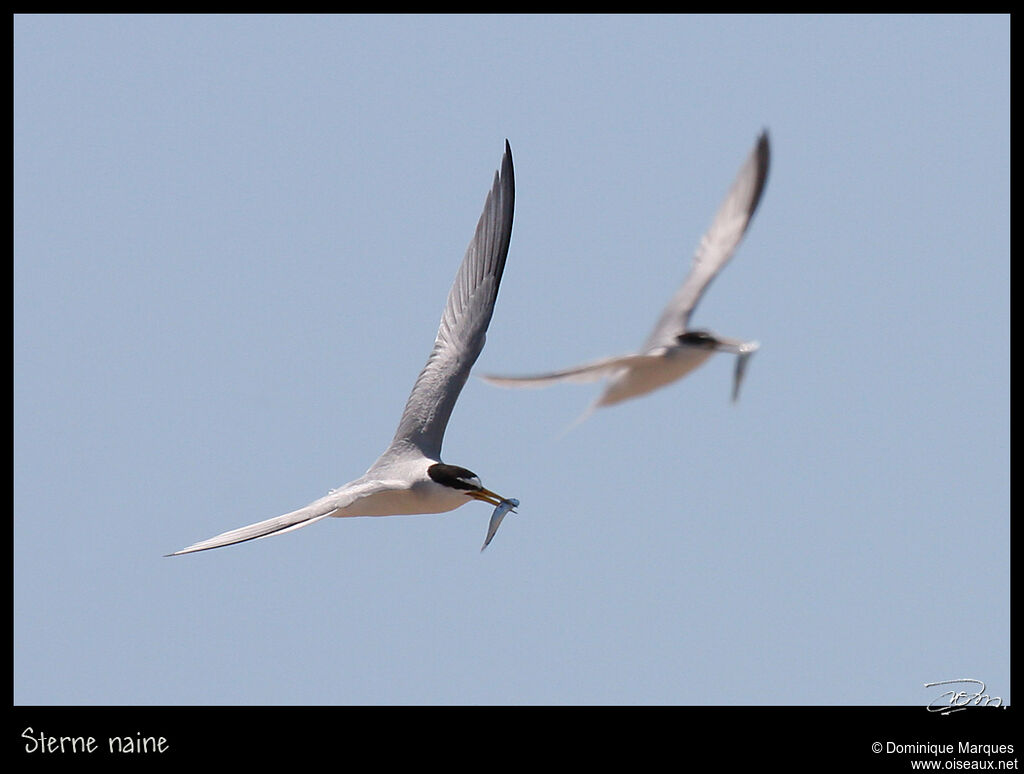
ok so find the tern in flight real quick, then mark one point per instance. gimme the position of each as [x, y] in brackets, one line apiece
[409, 476]
[674, 349]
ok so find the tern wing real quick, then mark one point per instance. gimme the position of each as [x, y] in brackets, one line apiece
[717, 245]
[303, 517]
[461, 335]
[587, 372]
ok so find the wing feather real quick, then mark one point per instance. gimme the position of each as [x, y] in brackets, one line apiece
[717, 245]
[303, 517]
[463, 327]
[587, 372]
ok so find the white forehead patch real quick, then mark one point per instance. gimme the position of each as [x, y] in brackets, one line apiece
[473, 481]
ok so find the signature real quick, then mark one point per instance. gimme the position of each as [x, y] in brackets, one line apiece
[961, 699]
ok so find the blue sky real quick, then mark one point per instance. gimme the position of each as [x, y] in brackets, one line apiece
[233, 240]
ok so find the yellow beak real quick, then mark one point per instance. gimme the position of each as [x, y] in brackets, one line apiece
[486, 495]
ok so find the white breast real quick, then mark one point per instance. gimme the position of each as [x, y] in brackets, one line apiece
[652, 373]
[399, 488]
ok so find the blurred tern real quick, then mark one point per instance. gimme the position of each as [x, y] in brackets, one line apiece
[673, 349]
[409, 476]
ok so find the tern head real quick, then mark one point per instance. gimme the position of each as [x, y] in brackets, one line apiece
[464, 480]
[700, 339]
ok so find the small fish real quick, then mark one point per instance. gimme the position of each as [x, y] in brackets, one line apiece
[499, 513]
[746, 352]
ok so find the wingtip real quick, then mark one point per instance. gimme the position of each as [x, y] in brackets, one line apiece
[764, 146]
[508, 170]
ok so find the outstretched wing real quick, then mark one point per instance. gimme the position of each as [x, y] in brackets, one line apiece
[461, 335]
[588, 372]
[717, 245]
[303, 517]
